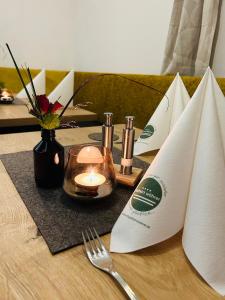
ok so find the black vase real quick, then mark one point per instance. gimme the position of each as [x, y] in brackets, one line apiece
[48, 161]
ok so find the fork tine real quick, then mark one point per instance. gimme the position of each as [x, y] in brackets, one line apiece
[90, 242]
[94, 241]
[85, 243]
[99, 240]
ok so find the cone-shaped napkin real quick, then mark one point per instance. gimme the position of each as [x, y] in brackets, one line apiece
[164, 118]
[39, 84]
[188, 171]
[64, 91]
[204, 230]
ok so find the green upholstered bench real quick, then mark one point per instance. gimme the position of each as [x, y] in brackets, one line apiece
[123, 97]
[111, 93]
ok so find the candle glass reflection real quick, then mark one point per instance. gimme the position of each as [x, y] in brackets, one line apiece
[89, 172]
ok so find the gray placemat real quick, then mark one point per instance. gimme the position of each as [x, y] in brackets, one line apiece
[59, 218]
[97, 136]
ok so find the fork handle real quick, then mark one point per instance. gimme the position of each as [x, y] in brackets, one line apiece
[131, 295]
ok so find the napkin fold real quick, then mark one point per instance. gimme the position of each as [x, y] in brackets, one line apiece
[184, 186]
[164, 118]
[39, 84]
[64, 90]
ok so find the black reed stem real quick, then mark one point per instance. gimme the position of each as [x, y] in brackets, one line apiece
[21, 78]
[32, 83]
[35, 94]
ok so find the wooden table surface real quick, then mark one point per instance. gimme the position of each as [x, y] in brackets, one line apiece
[29, 271]
[17, 115]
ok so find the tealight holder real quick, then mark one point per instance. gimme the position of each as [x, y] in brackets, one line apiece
[6, 96]
[89, 172]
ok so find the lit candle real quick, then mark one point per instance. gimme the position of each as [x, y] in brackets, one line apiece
[90, 180]
[6, 96]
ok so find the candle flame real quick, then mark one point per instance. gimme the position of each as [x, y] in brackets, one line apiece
[90, 179]
[5, 94]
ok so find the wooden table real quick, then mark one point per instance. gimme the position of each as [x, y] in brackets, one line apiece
[12, 115]
[29, 271]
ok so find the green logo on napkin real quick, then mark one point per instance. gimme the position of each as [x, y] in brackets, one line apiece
[147, 195]
[147, 132]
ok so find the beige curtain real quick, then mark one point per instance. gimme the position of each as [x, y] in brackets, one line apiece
[190, 37]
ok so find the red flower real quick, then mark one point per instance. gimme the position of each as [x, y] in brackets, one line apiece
[47, 107]
[54, 107]
[43, 103]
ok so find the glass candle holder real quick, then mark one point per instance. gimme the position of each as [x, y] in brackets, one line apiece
[89, 172]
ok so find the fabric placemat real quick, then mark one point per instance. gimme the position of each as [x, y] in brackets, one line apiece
[59, 218]
[97, 136]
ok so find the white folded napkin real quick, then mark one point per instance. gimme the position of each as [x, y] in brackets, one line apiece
[39, 85]
[164, 118]
[185, 184]
[64, 90]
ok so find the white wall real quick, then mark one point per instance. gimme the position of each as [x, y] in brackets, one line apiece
[88, 35]
[92, 35]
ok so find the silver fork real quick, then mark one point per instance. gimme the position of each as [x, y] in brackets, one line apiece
[101, 259]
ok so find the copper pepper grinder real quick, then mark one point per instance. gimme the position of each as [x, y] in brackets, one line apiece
[107, 131]
[128, 146]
